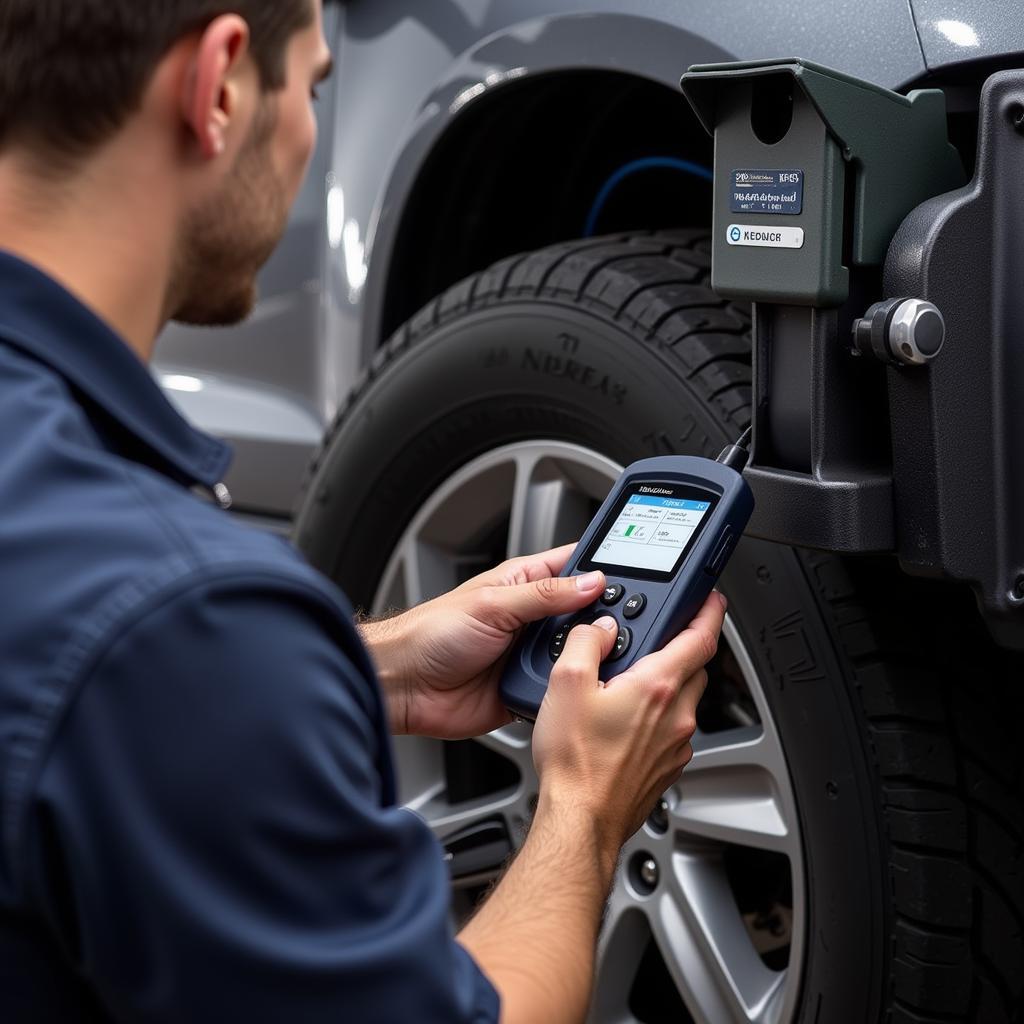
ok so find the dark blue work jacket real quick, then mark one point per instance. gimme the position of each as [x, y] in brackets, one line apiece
[196, 792]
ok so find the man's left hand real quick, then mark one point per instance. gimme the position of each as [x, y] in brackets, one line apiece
[440, 662]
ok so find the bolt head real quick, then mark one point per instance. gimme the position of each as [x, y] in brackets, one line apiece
[649, 872]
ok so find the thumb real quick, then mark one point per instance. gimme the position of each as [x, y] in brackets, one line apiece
[553, 595]
[585, 649]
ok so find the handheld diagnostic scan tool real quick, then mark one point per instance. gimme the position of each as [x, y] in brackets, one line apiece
[662, 537]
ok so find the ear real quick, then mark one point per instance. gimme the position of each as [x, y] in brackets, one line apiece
[210, 99]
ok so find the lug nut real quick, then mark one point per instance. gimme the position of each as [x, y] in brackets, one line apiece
[658, 820]
[644, 873]
[649, 872]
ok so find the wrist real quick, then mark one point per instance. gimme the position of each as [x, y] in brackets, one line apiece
[387, 641]
[559, 807]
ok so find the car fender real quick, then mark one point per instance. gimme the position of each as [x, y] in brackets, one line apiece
[379, 147]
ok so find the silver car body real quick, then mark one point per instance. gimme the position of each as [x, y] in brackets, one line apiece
[407, 72]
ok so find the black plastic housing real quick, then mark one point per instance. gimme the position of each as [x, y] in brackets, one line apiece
[821, 466]
[957, 430]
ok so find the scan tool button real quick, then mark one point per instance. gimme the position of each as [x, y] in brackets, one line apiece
[634, 606]
[613, 594]
[623, 641]
[723, 554]
[557, 644]
[722, 551]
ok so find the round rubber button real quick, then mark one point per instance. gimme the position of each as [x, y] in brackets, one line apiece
[560, 635]
[622, 643]
[634, 606]
[613, 594]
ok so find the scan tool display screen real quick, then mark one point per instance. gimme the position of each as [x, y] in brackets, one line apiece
[650, 530]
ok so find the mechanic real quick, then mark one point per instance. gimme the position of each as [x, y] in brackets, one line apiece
[197, 797]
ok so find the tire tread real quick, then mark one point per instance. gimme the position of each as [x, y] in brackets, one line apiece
[948, 767]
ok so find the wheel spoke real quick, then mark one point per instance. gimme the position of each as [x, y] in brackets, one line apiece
[445, 818]
[426, 570]
[525, 463]
[512, 805]
[706, 948]
[513, 742]
[624, 936]
[546, 510]
[730, 792]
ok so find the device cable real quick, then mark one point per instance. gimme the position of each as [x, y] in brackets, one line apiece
[736, 456]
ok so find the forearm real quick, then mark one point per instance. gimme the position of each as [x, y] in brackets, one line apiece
[536, 935]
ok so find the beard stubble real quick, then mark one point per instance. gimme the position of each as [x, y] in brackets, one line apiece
[224, 244]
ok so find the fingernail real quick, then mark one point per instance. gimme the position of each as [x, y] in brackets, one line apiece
[589, 581]
[607, 622]
[722, 598]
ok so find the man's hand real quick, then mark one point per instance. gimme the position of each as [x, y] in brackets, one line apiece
[604, 754]
[440, 663]
[613, 748]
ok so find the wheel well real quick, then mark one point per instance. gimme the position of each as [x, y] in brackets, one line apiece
[522, 169]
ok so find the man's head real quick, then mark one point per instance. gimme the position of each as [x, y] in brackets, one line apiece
[221, 88]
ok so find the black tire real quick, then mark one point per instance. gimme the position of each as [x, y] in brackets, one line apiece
[896, 715]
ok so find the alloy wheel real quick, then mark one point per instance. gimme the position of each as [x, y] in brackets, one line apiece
[705, 922]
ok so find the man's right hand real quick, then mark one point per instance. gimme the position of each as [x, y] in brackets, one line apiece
[604, 755]
[612, 750]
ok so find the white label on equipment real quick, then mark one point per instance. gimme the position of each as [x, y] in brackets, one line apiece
[755, 234]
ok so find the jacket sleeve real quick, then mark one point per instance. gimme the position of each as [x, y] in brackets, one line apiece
[210, 839]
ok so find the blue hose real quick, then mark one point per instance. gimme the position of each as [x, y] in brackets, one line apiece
[646, 164]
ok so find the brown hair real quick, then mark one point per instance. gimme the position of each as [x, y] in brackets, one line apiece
[72, 71]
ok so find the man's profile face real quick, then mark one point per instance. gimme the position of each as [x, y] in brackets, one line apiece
[227, 240]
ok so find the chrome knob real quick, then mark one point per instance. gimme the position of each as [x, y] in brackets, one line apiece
[905, 331]
[916, 333]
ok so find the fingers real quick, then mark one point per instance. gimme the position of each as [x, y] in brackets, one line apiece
[585, 648]
[524, 569]
[546, 563]
[511, 607]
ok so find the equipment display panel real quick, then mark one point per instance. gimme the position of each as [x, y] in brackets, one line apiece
[649, 531]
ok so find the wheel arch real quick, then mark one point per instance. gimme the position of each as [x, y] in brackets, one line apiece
[524, 168]
[533, 73]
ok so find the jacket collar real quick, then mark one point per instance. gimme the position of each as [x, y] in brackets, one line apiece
[43, 320]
